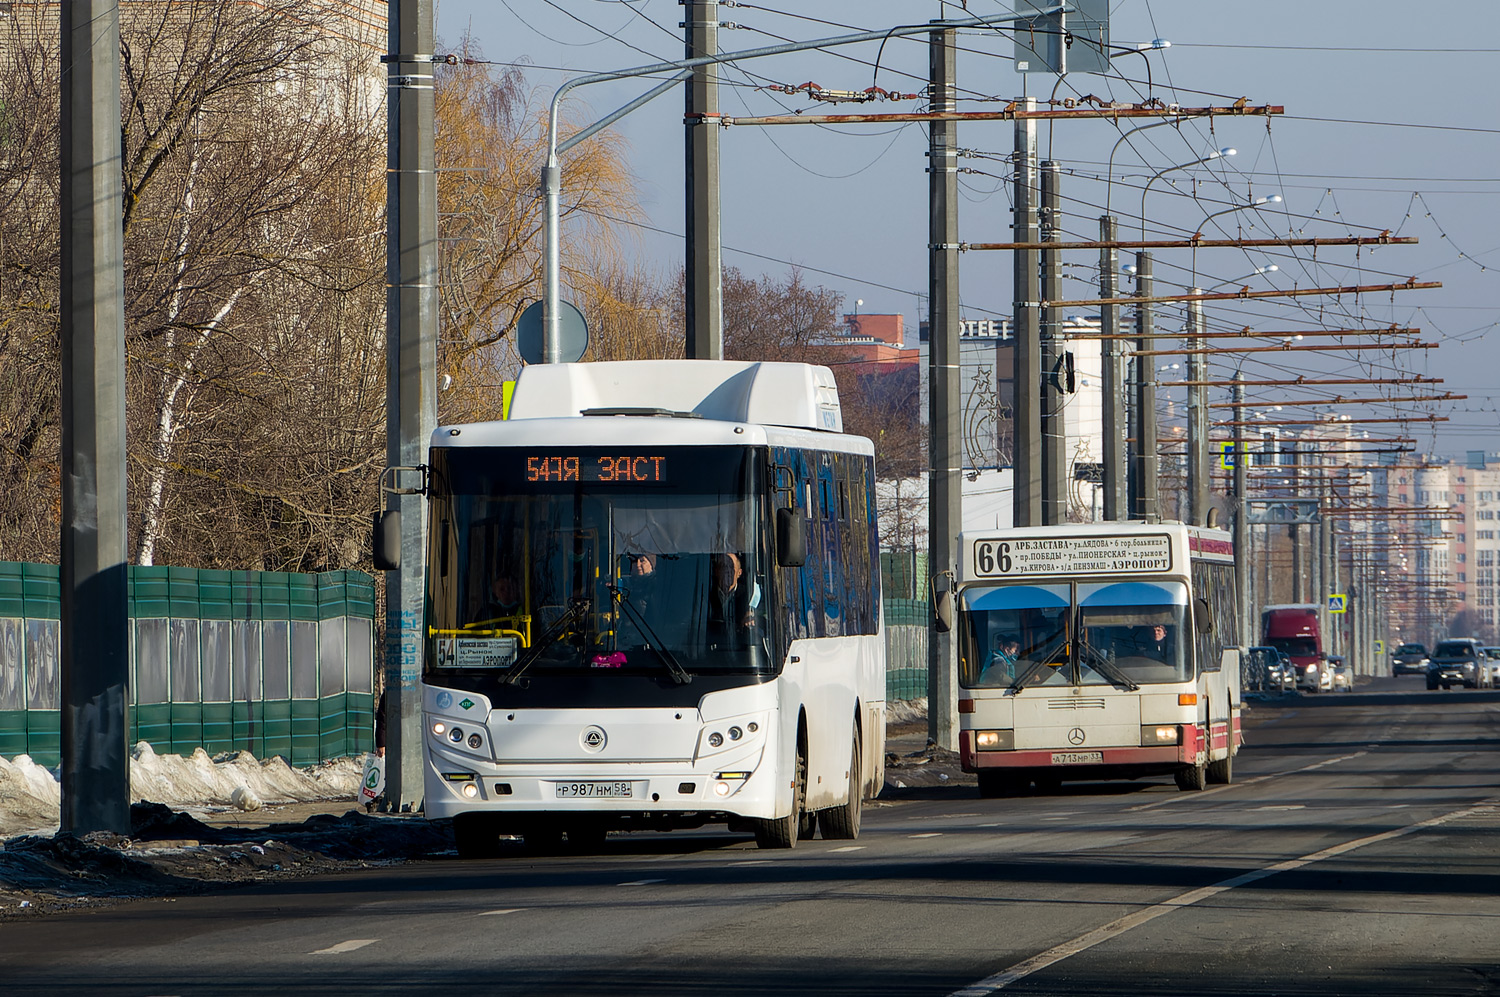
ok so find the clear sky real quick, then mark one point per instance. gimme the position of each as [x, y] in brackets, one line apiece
[1391, 124]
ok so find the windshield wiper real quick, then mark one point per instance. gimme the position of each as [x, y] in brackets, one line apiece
[679, 674]
[1100, 663]
[571, 617]
[1032, 670]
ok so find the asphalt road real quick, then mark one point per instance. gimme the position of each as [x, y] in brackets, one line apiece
[1355, 853]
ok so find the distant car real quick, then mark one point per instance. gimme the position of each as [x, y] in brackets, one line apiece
[1493, 654]
[1317, 676]
[1457, 661]
[1409, 659]
[1270, 669]
[1342, 674]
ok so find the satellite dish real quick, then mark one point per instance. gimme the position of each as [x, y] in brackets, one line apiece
[572, 334]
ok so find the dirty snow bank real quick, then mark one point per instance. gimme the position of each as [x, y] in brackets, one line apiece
[30, 795]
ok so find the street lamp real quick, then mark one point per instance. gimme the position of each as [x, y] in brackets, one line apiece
[1180, 166]
[1258, 202]
[1272, 268]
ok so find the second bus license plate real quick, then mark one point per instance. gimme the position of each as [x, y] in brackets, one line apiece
[1077, 758]
[594, 789]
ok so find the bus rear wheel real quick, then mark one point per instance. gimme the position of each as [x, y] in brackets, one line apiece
[843, 821]
[1221, 771]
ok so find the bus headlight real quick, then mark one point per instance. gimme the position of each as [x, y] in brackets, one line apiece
[995, 740]
[1154, 734]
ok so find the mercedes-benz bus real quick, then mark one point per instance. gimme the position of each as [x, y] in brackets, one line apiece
[1097, 651]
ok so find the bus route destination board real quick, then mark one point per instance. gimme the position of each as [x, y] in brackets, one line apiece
[1011, 558]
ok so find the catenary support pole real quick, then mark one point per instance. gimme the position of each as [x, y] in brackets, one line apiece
[705, 287]
[1111, 351]
[1242, 553]
[1145, 461]
[1053, 356]
[95, 665]
[945, 479]
[1027, 293]
[411, 371]
[1197, 455]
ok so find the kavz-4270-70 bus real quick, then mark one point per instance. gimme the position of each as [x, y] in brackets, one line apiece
[1104, 650]
[653, 601]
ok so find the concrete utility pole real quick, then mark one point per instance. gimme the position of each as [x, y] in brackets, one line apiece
[95, 615]
[705, 283]
[1113, 375]
[1145, 465]
[1027, 291]
[1197, 363]
[945, 501]
[411, 373]
[1053, 354]
[1241, 514]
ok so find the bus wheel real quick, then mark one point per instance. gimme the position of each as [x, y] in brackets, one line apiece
[843, 821]
[783, 832]
[994, 785]
[1221, 771]
[476, 836]
[1192, 778]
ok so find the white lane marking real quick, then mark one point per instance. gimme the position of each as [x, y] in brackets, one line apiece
[508, 910]
[847, 848]
[1119, 926]
[641, 882]
[929, 834]
[1248, 782]
[349, 946]
[739, 865]
[1283, 806]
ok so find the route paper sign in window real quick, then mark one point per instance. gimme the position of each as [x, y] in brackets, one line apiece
[1002, 558]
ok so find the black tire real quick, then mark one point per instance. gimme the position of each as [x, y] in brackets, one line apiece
[476, 836]
[1192, 778]
[1221, 772]
[842, 822]
[998, 784]
[783, 832]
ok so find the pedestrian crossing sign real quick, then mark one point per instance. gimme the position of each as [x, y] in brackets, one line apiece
[1338, 603]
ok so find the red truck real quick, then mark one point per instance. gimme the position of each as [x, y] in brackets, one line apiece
[1296, 630]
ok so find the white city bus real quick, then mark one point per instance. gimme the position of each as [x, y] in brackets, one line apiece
[1098, 651]
[653, 602]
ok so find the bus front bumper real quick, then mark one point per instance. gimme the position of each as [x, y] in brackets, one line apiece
[1157, 757]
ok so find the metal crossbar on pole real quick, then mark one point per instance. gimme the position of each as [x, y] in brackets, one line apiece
[1288, 348]
[1010, 113]
[1242, 295]
[1369, 240]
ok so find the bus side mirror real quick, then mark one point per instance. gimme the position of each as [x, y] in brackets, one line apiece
[387, 540]
[942, 611]
[1203, 617]
[791, 539]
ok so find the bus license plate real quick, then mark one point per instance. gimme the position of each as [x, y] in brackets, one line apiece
[1077, 758]
[593, 789]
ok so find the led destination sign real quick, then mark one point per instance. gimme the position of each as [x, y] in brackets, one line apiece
[998, 558]
[562, 467]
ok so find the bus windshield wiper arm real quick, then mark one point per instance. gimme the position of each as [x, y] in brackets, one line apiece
[680, 675]
[1027, 675]
[1101, 664]
[574, 614]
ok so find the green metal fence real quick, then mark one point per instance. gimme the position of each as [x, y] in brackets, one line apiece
[266, 662]
[906, 622]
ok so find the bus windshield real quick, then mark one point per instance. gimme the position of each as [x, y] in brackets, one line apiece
[1127, 634]
[549, 561]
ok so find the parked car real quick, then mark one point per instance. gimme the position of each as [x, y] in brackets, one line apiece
[1493, 654]
[1409, 659]
[1458, 661]
[1342, 674]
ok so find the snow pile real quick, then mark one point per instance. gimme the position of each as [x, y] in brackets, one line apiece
[906, 711]
[30, 795]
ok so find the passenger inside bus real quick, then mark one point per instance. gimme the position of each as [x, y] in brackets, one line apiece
[1001, 669]
[731, 603]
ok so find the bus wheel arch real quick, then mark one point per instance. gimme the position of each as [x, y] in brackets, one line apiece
[784, 831]
[842, 821]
